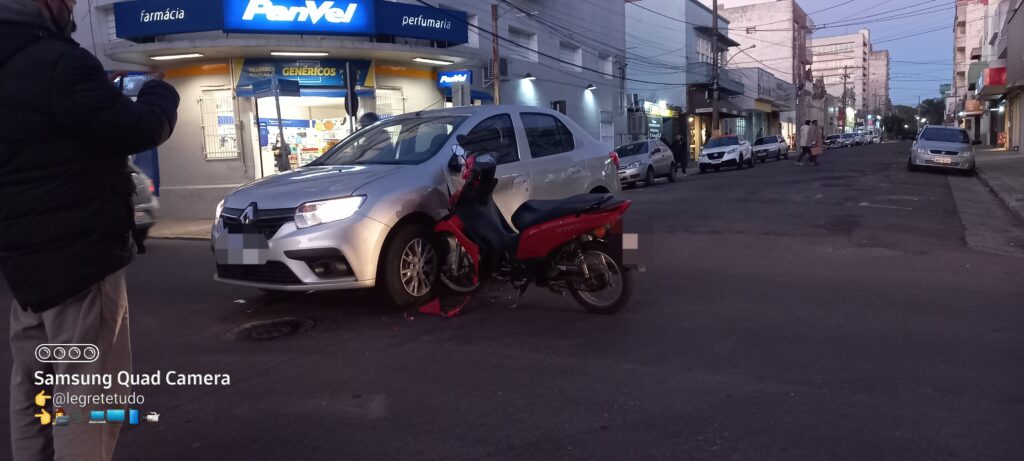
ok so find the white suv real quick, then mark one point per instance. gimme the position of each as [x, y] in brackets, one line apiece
[726, 151]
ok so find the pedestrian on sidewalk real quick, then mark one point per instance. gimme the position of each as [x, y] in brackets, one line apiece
[680, 149]
[804, 140]
[66, 217]
[817, 142]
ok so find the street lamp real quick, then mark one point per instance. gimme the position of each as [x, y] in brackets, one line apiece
[737, 54]
[906, 127]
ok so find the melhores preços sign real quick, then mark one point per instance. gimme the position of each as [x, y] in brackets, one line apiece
[147, 18]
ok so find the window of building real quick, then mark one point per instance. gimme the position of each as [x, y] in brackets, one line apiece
[496, 135]
[547, 135]
[525, 44]
[606, 65]
[704, 53]
[220, 138]
[571, 56]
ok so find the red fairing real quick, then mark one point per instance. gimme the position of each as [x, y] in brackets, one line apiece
[541, 240]
[453, 225]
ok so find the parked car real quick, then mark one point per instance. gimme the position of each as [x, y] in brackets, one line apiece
[835, 141]
[723, 151]
[771, 147]
[146, 203]
[645, 161]
[942, 147]
[362, 214]
[850, 139]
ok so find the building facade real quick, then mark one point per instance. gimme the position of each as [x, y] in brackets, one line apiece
[878, 83]
[251, 78]
[1011, 40]
[774, 35]
[843, 62]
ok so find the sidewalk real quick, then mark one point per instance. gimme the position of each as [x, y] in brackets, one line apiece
[1003, 172]
[182, 229]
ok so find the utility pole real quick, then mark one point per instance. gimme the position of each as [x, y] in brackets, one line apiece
[715, 131]
[846, 92]
[495, 58]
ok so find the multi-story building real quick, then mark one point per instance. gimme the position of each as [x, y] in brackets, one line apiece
[843, 63]
[878, 83]
[968, 29]
[774, 35]
[229, 58]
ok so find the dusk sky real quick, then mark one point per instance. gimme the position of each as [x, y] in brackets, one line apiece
[931, 53]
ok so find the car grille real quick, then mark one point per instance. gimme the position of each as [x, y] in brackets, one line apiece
[943, 152]
[272, 272]
[716, 155]
[266, 222]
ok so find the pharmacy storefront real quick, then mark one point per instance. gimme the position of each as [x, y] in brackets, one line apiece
[256, 74]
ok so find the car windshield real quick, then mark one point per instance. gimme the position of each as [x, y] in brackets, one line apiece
[832, 137]
[722, 142]
[763, 141]
[848, 135]
[629, 150]
[945, 135]
[403, 141]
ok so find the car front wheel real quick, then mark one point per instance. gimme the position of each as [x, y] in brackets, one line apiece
[409, 266]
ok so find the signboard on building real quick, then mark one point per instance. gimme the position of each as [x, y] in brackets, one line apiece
[146, 18]
[451, 78]
[308, 72]
[311, 17]
[405, 20]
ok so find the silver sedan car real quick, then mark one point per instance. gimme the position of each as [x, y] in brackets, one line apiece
[362, 215]
[942, 147]
[644, 161]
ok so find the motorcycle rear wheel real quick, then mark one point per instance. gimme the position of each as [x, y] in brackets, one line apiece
[609, 287]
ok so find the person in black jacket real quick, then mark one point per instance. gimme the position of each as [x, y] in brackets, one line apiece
[66, 215]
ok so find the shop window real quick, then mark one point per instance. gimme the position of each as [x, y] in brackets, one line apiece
[547, 135]
[220, 139]
[496, 135]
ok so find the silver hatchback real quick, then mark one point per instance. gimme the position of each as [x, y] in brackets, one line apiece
[942, 147]
[362, 214]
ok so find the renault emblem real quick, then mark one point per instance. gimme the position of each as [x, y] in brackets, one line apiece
[249, 215]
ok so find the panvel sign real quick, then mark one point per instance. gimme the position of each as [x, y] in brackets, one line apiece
[313, 17]
[147, 18]
[452, 78]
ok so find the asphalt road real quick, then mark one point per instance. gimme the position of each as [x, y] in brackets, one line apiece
[847, 311]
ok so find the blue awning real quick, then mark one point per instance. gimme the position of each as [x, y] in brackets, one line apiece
[477, 94]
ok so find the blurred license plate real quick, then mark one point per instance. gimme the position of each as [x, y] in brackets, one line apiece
[944, 161]
[241, 249]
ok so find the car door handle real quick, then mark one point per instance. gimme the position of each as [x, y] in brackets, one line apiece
[519, 179]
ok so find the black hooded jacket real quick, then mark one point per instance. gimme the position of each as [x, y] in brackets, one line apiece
[66, 132]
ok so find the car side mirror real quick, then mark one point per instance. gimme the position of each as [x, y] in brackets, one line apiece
[657, 151]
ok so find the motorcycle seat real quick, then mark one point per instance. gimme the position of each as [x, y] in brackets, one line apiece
[533, 212]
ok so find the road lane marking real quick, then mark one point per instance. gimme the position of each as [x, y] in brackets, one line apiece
[891, 207]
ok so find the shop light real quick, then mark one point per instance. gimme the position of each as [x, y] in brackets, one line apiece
[438, 62]
[529, 76]
[591, 87]
[298, 53]
[171, 57]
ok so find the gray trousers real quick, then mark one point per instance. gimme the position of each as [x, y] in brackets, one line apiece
[98, 316]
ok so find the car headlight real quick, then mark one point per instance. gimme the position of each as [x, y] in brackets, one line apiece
[922, 151]
[733, 151]
[325, 211]
[633, 165]
[220, 209]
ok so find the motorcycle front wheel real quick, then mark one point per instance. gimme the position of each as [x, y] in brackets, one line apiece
[458, 272]
[607, 287]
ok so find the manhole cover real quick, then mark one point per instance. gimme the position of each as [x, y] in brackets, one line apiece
[265, 330]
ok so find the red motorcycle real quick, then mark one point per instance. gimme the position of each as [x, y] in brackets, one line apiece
[562, 245]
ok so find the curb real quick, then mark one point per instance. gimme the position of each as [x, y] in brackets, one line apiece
[1015, 209]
